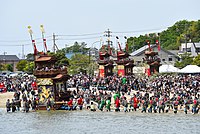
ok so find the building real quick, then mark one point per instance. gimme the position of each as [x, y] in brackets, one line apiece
[10, 59]
[191, 48]
[166, 57]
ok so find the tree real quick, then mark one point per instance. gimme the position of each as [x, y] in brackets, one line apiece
[186, 60]
[61, 58]
[79, 63]
[1, 67]
[30, 57]
[172, 37]
[9, 67]
[21, 65]
[76, 48]
[196, 60]
[29, 67]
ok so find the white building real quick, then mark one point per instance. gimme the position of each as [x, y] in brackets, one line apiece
[166, 57]
[190, 48]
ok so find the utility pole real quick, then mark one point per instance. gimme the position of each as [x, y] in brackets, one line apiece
[54, 43]
[23, 52]
[108, 34]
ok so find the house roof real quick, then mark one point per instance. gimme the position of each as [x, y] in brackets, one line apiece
[61, 76]
[44, 58]
[174, 51]
[144, 48]
[140, 50]
[9, 58]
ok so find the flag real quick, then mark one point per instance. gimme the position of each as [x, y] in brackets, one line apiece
[158, 45]
[34, 47]
[45, 44]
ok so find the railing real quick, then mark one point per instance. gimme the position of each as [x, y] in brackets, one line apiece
[124, 61]
[50, 72]
[105, 61]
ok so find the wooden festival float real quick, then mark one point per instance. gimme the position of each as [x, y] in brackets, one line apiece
[51, 79]
[152, 60]
[105, 63]
[124, 63]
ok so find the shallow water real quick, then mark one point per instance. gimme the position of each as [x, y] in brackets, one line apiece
[86, 122]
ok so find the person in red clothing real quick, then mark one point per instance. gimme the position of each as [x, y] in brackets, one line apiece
[80, 102]
[70, 104]
[117, 104]
[150, 105]
[34, 85]
[135, 102]
[194, 107]
[2, 88]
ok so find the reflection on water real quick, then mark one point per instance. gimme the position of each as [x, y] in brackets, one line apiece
[86, 122]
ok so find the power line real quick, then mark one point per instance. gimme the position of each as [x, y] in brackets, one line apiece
[23, 44]
[11, 41]
[76, 35]
[88, 34]
[79, 38]
[138, 31]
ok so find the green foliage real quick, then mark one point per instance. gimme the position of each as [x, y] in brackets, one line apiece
[171, 38]
[21, 65]
[77, 48]
[1, 67]
[186, 60]
[6, 67]
[9, 67]
[61, 58]
[30, 57]
[78, 63]
[29, 67]
[196, 60]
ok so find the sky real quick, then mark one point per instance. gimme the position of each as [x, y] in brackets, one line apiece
[85, 21]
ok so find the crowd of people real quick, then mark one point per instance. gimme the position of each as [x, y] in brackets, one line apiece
[24, 93]
[158, 94]
[147, 94]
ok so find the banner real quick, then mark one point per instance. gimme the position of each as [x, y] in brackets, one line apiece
[35, 48]
[121, 72]
[101, 73]
[44, 81]
[158, 45]
[45, 44]
[148, 72]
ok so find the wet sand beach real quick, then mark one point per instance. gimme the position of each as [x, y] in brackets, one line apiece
[4, 97]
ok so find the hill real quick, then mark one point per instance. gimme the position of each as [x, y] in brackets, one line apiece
[171, 38]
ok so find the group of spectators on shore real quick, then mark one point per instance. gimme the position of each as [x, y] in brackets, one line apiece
[146, 94]
[149, 94]
[24, 93]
